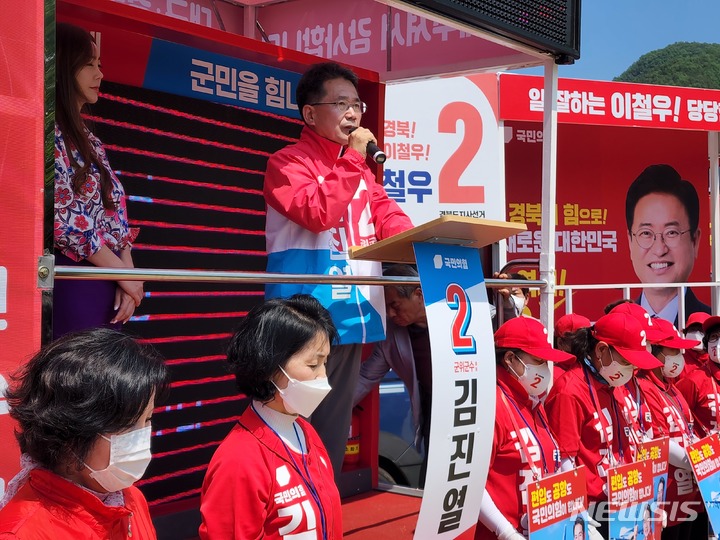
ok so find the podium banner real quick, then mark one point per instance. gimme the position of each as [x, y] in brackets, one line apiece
[557, 506]
[705, 460]
[463, 380]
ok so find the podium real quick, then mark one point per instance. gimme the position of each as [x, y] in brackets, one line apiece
[446, 251]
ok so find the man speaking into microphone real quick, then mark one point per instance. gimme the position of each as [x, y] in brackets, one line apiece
[321, 199]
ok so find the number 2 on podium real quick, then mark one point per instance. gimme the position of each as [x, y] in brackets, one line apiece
[457, 300]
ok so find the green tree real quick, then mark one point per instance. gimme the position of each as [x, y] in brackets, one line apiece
[680, 64]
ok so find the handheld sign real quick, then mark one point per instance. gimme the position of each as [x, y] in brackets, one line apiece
[630, 494]
[705, 460]
[557, 506]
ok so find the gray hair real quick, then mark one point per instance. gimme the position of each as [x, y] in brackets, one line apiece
[402, 270]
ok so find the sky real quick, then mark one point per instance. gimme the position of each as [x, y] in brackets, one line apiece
[615, 33]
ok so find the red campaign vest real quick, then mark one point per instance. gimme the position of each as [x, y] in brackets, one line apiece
[50, 506]
[700, 389]
[672, 416]
[510, 470]
[584, 416]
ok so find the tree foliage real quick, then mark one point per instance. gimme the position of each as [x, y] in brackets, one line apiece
[680, 64]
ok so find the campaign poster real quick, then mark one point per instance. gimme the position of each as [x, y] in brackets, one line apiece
[630, 497]
[705, 460]
[444, 148]
[557, 506]
[657, 453]
[461, 344]
[616, 220]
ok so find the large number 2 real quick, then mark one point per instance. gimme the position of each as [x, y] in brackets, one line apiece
[450, 190]
[457, 300]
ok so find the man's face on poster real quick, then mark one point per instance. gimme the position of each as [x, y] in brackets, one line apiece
[663, 249]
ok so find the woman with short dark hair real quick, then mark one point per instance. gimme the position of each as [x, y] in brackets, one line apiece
[83, 406]
[271, 477]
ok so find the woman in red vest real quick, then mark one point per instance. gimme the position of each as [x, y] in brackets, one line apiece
[83, 406]
[524, 448]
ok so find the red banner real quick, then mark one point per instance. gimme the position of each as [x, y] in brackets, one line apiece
[612, 103]
[595, 167]
[21, 178]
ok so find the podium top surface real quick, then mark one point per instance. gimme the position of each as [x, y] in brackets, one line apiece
[456, 230]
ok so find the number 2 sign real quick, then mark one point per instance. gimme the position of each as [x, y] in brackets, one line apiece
[445, 145]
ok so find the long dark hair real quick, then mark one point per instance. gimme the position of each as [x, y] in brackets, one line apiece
[74, 49]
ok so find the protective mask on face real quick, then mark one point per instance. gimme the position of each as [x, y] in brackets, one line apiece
[536, 379]
[698, 335]
[674, 364]
[518, 303]
[129, 457]
[616, 374]
[303, 397]
[714, 352]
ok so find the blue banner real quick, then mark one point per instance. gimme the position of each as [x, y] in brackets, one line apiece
[182, 70]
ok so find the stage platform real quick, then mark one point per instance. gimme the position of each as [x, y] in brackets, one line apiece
[373, 515]
[383, 515]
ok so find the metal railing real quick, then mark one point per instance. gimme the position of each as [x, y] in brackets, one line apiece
[47, 273]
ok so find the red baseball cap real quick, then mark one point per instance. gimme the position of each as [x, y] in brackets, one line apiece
[698, 317]
[672, 336]
[710, 322]
[530, 336]
[625, 334]
[643, 317]
[571, 323]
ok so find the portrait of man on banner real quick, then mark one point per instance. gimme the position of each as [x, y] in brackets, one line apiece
[662, 212]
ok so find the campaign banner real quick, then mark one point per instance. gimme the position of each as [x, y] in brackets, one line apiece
[444, 148]
[657, 452]
[461, 344]
[201, 74]
[612, 103]
[630, 494]
[596, 238]
[392, 42]
[220, 15]
[557, 506]
[705, 460]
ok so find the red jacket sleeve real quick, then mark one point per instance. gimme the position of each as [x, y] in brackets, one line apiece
[294, 191]
[388, 217]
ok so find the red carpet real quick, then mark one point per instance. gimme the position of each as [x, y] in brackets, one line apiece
[379, 515]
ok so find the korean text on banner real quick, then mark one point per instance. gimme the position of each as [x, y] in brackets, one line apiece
[556, 504]
[705, 460]
[461, 423]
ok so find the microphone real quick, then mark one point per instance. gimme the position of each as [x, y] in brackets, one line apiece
[374, 151]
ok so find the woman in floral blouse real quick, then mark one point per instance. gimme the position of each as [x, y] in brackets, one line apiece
[91, 224]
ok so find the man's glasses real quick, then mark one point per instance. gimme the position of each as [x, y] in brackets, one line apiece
[645, 238]
[342, 106]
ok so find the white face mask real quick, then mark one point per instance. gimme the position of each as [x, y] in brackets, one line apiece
[674, 365]
[129, 457]
[518, 303]
[616, 374]
[536, 379]
[698, 335]
[303, 397]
